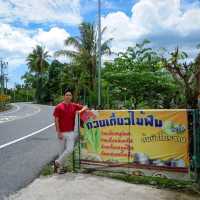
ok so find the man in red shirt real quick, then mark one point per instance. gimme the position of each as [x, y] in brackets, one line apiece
[65, 114]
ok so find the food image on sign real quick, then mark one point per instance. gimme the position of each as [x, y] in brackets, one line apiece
[147, 138]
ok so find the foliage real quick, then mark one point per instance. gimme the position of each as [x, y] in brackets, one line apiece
[140, 77]
[187, 75]
[21, 94]
[47, 170]
[4, 101]
[38, 65]
[181, 185]
[83, 63]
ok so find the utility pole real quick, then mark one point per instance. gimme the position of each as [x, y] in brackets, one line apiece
[27, 94]
[3, 78]
[14, 92]
[14, 95]
[99, 52]
[6, 81]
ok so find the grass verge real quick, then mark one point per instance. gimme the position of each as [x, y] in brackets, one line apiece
[48, 169]
[5, 107]
[160, 183]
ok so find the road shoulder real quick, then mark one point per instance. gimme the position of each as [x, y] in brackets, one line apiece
[89, 187]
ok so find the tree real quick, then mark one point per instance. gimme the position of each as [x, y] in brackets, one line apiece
[29, 80]
[187, 75]
[55, 72]
[37, 63]
[138, 74]
[85, 52]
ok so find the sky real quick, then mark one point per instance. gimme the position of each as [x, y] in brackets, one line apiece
[26, 23]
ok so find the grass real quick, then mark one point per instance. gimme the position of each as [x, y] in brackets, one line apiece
[156, 181]
[5, 107]
[160, 183]
[48, 169]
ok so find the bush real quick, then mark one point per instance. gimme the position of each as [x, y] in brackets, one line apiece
[4, 100]
[57, 100]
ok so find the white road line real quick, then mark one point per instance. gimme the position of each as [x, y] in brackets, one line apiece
[7, 118]
[5, 113]
[25, 137]
[21, 117]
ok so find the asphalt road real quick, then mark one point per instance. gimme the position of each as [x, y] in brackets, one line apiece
[21, 160]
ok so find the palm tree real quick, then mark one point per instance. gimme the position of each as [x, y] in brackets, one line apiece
[37, 63]
[85, 50]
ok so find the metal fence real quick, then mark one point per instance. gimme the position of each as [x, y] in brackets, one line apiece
[195, 143]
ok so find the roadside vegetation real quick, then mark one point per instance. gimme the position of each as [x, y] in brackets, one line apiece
[147, 77]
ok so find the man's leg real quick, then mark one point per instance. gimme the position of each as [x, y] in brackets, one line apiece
[62, 146]
[69, 143]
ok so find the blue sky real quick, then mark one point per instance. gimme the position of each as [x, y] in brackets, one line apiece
[24, 24]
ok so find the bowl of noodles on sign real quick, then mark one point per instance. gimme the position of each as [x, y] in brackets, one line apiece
[172, 128]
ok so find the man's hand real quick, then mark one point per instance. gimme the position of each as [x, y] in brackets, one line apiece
[60, 136]
[83, 109]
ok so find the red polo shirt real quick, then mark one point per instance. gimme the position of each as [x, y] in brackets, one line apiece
[66, 115]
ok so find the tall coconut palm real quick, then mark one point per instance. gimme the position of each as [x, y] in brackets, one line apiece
[85, 50]
[37, 63]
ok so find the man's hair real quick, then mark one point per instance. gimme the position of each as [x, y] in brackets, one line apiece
[68, 90]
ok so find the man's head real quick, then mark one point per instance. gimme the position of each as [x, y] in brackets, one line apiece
[68, 95]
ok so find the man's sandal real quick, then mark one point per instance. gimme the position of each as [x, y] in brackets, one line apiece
[61, 171]
[56, 167]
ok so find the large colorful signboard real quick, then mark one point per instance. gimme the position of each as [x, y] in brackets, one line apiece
[148, 138]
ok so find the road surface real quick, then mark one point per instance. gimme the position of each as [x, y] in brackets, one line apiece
[27, 142]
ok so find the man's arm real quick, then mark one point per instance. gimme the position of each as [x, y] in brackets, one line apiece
[58, 129]
[56, 124]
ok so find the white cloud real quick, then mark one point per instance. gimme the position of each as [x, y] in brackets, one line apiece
[160, 19]
[121, 28]
[53, 39]
[156, 15]
[189, 22]
[40, 11]
[16, 43]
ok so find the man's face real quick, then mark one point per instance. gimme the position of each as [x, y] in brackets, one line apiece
[68, 96]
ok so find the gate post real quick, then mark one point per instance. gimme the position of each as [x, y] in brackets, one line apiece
[196, 135]
[77, 148]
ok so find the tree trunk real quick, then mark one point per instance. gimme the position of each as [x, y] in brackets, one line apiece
[76, 91]
[191, 98]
